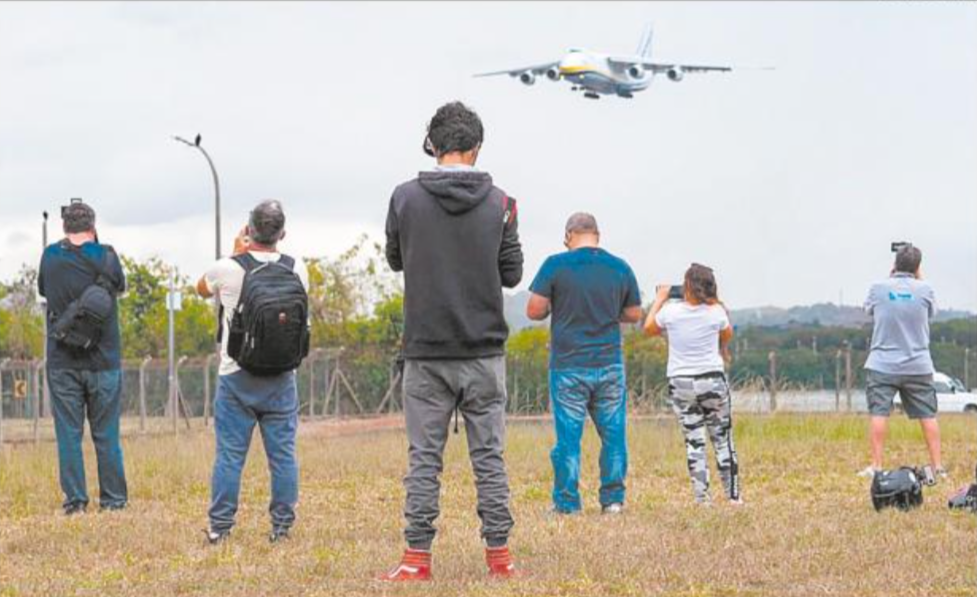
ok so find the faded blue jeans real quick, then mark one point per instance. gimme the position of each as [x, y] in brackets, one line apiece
[243, 401]
[600, 392]
[97, 395]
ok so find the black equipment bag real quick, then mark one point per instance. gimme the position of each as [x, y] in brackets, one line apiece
[965, 499]
[80, 326]
[901, 488]
[269, 330]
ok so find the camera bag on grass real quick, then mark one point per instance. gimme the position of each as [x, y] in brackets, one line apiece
[269, 331]
[901, 488]
[80, 326]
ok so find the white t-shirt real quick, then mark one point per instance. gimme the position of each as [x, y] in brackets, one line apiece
[693, 337]
[224, 279]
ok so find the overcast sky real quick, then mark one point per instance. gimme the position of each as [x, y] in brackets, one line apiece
[791, 183]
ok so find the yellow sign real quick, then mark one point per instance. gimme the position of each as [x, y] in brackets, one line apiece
[20, 389]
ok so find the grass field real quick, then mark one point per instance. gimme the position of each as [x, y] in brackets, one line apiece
[807, 529]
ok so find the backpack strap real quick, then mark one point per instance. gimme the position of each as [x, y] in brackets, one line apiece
[98, 270]
[287, 261]
[247, 261]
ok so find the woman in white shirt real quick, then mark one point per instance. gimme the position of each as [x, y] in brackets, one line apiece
[698, 332]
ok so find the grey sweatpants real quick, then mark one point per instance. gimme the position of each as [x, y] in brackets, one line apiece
[432, 390]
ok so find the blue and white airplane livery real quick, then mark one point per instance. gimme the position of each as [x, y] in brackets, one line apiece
[599, 74]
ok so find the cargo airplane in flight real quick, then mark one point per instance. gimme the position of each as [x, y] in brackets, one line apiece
[602, 74]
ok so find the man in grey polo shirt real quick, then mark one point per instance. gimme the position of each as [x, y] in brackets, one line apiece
[902, 307]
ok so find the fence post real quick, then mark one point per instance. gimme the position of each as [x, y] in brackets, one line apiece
[838, 381]
[142, 393]
[3, 365]
[36, 369]
[772, 357]
[311, 362]
[848, 380]
[208, 393]
[966, 368]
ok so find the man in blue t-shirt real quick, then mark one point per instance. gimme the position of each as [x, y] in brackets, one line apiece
[589, 293]
[84, 382]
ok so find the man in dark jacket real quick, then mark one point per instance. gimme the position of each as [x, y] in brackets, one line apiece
[454, 235]
[84, 381]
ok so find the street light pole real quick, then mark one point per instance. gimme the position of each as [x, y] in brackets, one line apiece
[47, 391]
[217, 224]
[217, 190]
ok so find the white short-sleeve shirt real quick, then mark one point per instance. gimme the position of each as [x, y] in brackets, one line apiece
[693, 337]
[224, 279]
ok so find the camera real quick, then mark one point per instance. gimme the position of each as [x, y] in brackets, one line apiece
[71, 202]
[900, 245]
[676, 292]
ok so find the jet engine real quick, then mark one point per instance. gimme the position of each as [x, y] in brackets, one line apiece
[636, 71]
[676, 73]
[527, 78]
[553, 73]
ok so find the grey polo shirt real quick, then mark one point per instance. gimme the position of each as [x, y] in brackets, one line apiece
[901, 308]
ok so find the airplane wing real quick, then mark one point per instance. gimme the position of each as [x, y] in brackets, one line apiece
[536, 69]
[661, 67]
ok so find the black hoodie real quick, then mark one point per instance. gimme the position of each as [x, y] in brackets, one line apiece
[455, 236]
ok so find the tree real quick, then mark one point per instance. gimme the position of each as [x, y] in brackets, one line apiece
[21, 317]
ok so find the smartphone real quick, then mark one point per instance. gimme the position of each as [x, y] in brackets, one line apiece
[900, 245]
[676, 292]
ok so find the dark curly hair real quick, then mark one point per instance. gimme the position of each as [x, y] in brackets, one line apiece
[700, 283]
[454, 128]
[78, 217]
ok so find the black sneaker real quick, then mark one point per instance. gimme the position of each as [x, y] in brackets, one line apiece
[217, 537]
[278, 535]
[75, 509]
[112, 507]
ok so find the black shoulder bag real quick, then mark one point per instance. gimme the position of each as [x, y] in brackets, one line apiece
[80, 326]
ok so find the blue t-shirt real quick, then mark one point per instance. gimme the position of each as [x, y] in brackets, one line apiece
[588, 289]
[62, 277]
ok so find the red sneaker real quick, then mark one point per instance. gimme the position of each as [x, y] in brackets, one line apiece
[500, 562]
[415, 565]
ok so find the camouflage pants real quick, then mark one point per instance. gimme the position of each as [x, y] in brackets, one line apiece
[702, 406]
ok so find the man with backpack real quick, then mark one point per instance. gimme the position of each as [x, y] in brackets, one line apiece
[264, 336]
[455, 236]
[81, 280]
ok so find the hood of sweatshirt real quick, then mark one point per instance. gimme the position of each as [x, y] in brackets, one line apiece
[457, 191]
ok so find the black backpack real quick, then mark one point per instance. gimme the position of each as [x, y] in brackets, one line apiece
[80, 326]
[269, 331]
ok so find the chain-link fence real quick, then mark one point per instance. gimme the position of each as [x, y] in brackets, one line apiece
[345, 382]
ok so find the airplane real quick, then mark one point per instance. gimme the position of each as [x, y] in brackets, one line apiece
[599, 74]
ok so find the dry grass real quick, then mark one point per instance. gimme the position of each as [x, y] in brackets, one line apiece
[808, 528]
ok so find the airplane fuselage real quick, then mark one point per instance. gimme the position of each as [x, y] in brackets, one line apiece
[593, 72]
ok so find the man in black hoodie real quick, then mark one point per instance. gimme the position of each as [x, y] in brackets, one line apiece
[455, 237]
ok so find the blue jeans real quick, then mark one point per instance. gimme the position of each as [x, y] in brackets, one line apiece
[75, 394]
[601, 392]
[242, 401]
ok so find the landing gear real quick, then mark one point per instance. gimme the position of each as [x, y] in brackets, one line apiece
[625, 94]
[591, 95]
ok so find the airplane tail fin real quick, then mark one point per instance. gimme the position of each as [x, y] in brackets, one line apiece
[644, 46]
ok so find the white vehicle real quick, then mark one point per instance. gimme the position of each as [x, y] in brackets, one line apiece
[951, 395]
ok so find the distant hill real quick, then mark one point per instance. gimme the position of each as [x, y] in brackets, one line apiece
[826, 314]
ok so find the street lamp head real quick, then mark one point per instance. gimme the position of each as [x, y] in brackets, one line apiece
[197, 140]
